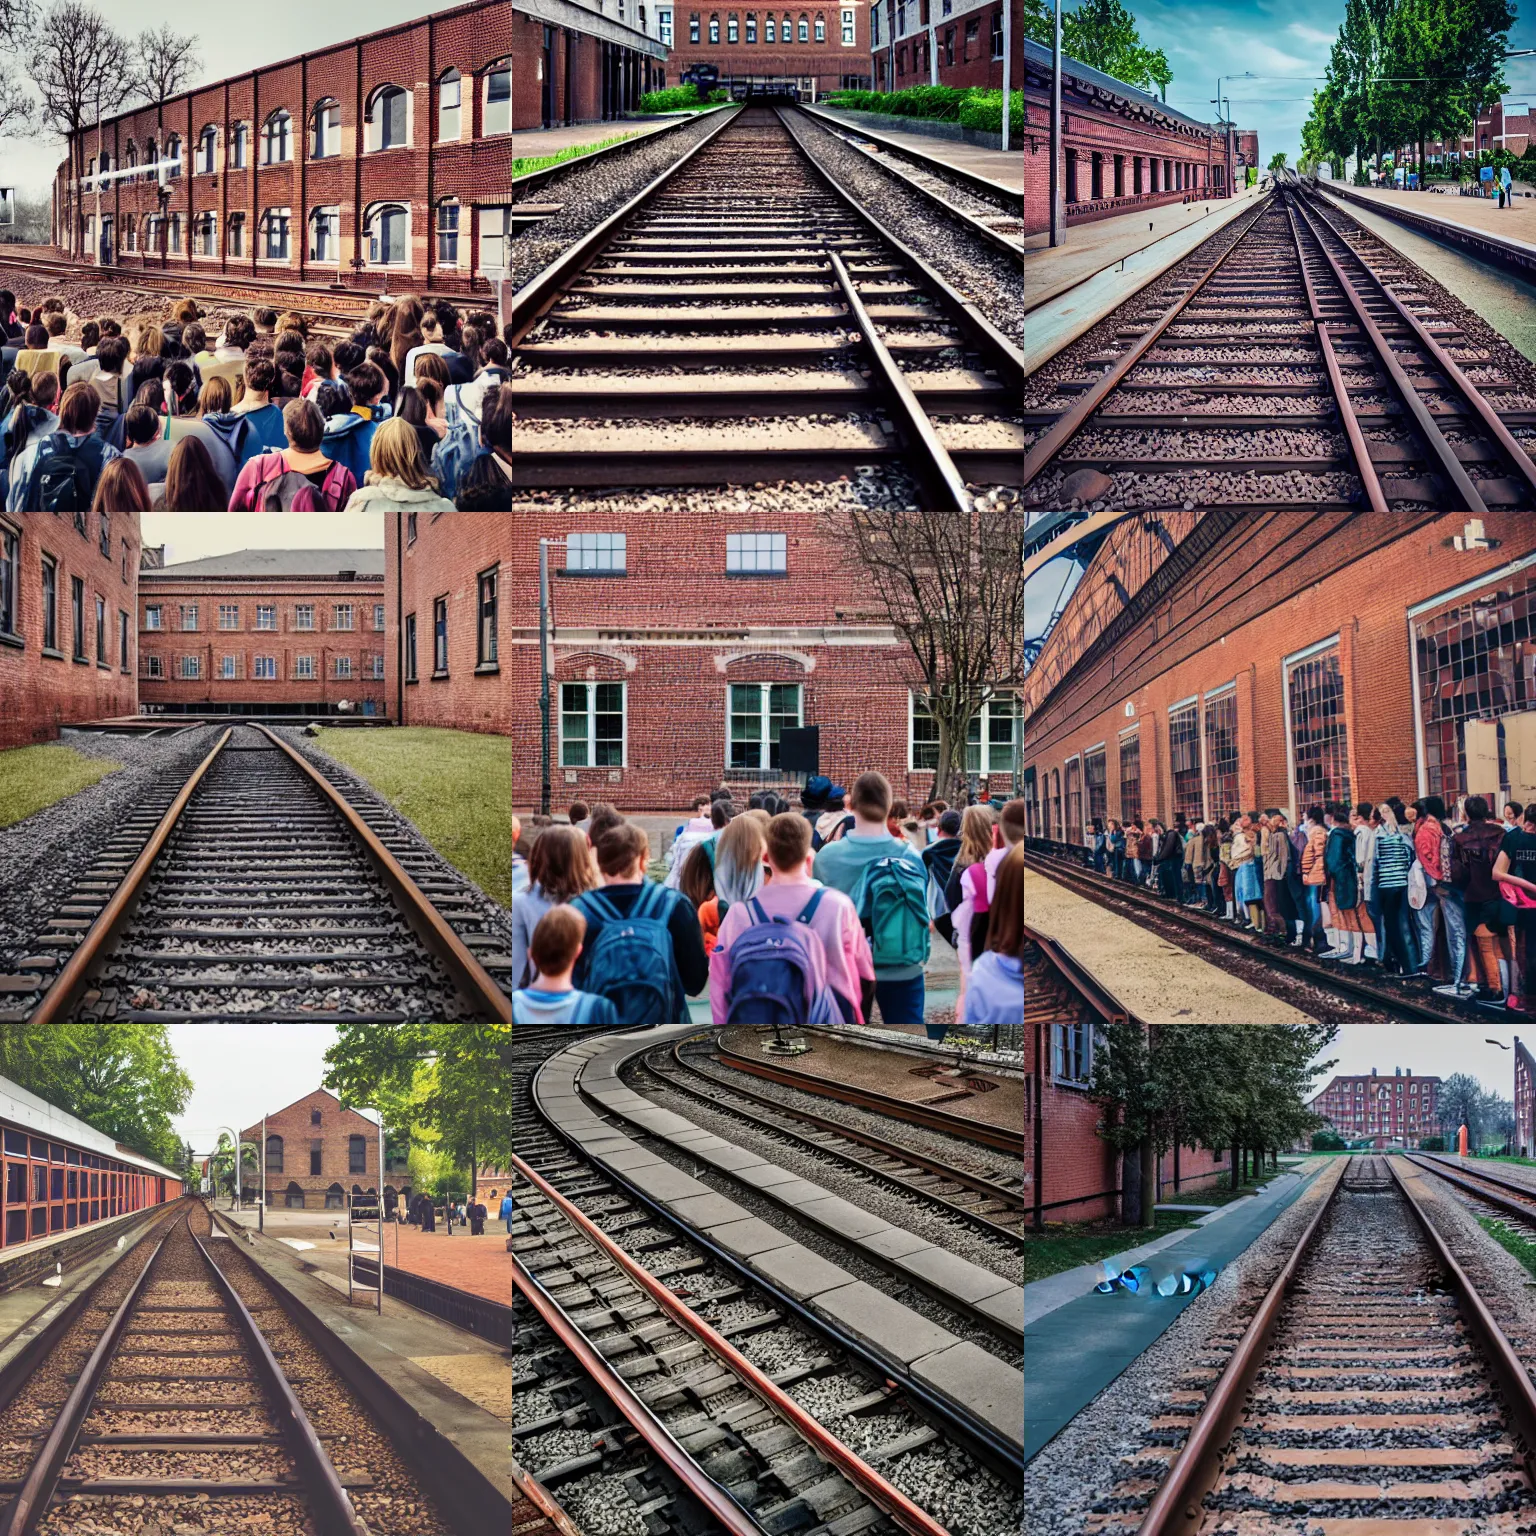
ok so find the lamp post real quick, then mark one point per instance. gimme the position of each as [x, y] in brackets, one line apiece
[544, 670]
[1058, 192]
[261, 1210]
[1247, 74]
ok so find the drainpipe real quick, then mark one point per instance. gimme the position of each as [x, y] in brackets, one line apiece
[399, 635]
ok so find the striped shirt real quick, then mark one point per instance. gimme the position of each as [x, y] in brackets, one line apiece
[1394, 858]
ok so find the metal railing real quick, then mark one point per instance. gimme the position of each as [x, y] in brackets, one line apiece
[490, 1320]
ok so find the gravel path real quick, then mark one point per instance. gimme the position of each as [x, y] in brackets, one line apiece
[881, 489]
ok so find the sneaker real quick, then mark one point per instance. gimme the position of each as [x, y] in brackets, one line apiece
[1450, 989]
[1466, 989]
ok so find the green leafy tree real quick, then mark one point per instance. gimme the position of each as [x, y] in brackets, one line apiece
[1039, 21]
[1461, 1103]
[1277, 162]
[1102, 33]
[1327, 1141]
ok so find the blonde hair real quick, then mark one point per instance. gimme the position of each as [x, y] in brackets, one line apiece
[975, 834]
[396, 455]
[150, 339]
[1387, 817]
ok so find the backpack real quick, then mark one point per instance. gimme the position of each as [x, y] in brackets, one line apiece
[892, 904]
[231, 430]
[777, 971]
[286, 490]
[631, 962]
[18, 432]
[453, 456]
[64, 479]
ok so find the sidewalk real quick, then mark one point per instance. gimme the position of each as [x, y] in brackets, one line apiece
[1006, 167]
[1076, 1341]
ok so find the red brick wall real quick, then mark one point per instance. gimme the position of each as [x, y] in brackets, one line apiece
[337, 1127]
[962, 60]
[476, 170]
[41, 692]
[445, 558]
[826, 62]
[325, 643]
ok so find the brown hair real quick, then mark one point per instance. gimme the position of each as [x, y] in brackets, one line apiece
[57, 325]
[1011, 819]
[579, 810]
[216, 397]
[191, 482]
[1005, 927]
[429, 365]
[619, 847]
[975, 835]
[603, 819]
[121, 488]
[697, 880]
[77, 410]
[556, 941]
[871, 796]
[561, 864]
[789, 840]
[304, 425]
[184, 310]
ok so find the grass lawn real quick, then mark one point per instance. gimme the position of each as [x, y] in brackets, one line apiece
[455, 785]
[1522, 1247]
[1067, 1244]
[525, 163]
[34, 777]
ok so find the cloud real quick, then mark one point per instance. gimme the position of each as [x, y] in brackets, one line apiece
[1311, 35]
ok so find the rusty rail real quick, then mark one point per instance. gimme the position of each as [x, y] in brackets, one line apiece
[1524, 1209]
[1082, 981]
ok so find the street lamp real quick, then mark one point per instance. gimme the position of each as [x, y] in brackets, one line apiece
[1058, 205]
[1247, 74]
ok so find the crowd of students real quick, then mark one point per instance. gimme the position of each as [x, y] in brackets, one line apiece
[821, 913]
[1406, 888]
[165, 412]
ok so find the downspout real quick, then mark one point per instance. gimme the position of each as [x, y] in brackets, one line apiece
[399, 627]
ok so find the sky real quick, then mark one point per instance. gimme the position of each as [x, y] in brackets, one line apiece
[230, 43]
[1431, 1050]
[195, 535]
[242, 1071]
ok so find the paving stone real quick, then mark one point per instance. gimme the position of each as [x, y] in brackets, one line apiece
[1007, 1307]
[990, 1388]
[705, 1211]
[798, 1271]
[955, 1276]
[661, 1122]
[885, 1325]
[733, 1160]
[632, 1157]
[667, 1182]
[745, 1238]
[768, 1176]
[841, 1216]
[894, 1242]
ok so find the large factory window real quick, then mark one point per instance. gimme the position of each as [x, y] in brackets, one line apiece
[592, 725]
[1314, 691]
[277, 138]
[498, 99]
[449, 100]
[758, 714]
[325, 141]
[1093, 777]
[10, 555]
[1072, 830]
[389, 118]
[1184, 758]
[1221, 754]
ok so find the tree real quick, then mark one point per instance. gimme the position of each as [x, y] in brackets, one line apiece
[1327, 1141]
[1461, 1103]
[78, 64]
[952, 587]
[1039, 21]
[1497, 1118]
[1102, 33]
[1277, 162]
[163, 62]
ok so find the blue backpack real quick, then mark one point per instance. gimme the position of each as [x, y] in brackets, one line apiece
[631, 962]
[891, 899]
[777, 971]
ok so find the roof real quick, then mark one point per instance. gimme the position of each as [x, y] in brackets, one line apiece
[26, 1110]
[275, 562]
[1040, 56]
[272, 1114]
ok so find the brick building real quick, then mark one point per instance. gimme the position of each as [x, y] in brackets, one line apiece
[582, 61]
[1525, 1101]
[67, 633]
[448, 622]
[680, 653]
[1078, 1174]
[944, 42]
[1122, 149]
[816, 47]
[318, 1153]
[391, 154]
[265, 632]
[1222, 661]
[1398, 1110]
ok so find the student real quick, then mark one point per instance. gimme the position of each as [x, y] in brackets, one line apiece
[191, 482]
[885, 878]
[1343, 887]
[57, 342]
[1515, 870]
[833, 953]
[121, 488]
[397, 478]
[1474, 854]
[644, 951]
[688, 836]
[560, 868]
[299, 477]
[110, 381]
[995, 994]
[939, 860]
[349, 436]
[58, 473]
[263, 416]
[554, 949]
[146, 445]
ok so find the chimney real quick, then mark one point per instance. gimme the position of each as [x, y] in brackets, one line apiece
[1397, 1071]
[1373, 1071]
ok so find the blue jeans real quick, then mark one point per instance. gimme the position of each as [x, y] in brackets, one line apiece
[1454, 915]
[1313, 894]
[901, 1002]
[1424, 924]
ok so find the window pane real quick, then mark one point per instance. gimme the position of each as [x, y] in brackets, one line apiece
[1184, 755]
[1318, 737]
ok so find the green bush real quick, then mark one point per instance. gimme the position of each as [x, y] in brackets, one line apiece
[676, 98]
[933, 101]
[1327, 1141]
[1432, 1144]
[984, 112]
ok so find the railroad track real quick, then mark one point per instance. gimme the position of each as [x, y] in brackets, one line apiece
[1372, 1392]
[1507, 1195]
[652, 1374]
[257, 891]
[1293, 360]
[1396, 1002]
[995, 1205]
[177, 1381]
[742, 319]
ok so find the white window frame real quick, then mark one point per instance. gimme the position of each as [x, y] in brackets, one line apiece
[1287, 663]
[331, 213]
[298, 622]
[191, 669]
[763, 695]
[985, 717]
[235, 234]
[450, 77]
[197, 618]
[153, 613]
[380, 621]
[266, 616]
[376, 666]
[371, 238]
[280, 116]
[233, 610]
[373, 138]
[490, 240]
[778, 549]
[337, 663]
[458, 233]
[619, 547]
[282, 217]
[1060, 1079]
[208, 140]
[320, 127]
[848, 25]
[269, 663]
[664, 26]
[591, 685]
[226, 669]
[240, 147]
[205, 237]
[337, 609]
[304, 668]
[154, 666]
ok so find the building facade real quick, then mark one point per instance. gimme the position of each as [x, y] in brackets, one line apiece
[1121, 148]
[448, 622]
[814, 47]
[317, 1154]
[662, 687]
[1399, 1110]
[384, 159]
[583, 61]
[68, 638]
[265, 632]
[945, 42]
[1525, 1101]
[1311, 680]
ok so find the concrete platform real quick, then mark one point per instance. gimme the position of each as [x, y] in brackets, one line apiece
[1069, 289]
[1159, 982]
[529, 143]
[1074, 1351]
[905, 1342]
[1005, 167]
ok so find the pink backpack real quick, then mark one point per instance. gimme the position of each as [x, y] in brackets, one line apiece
[280, 489]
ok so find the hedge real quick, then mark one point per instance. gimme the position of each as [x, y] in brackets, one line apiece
[970, 106]
[984, 112]
[679, 98]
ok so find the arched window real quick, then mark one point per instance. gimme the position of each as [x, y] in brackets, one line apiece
[388, 229]
[325, 233]
[804, 34]
[751, 26]
[173, 234]
[732, 28]
[237, 234]
[151, 154]
[293, 1197]
[106, 161]
[389, 118]
[207, 149]
[498, 98]
[770, 33]
[133, 153]
[449, 101]
[821, 27]
[130, 233]
[335, 1198]
[357, 1156]
[274, 1143]
[207, 234]
[274, 233]
[239, 147]
[277, 138]
[173, 152]
[325, 130]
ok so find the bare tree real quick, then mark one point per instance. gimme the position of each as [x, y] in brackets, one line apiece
[76, 60]
[163, 63]
[952, 586]
[17, 18]
[17, 109]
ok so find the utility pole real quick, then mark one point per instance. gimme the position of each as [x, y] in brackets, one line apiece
[1007, 62]
[1058, 193]
[261, 1210]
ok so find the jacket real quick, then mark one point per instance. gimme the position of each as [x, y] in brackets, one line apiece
[1277, 854]
[1312, 869]
[1473, 851]
[1426, 845]
[333, 493]
[1144, 848]
[349, 440]
[1170, 848]
[395, 493]
[1339, 861]
[1242, 847]
[1394, 858]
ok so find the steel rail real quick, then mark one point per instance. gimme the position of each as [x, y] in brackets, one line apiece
[1176, 1509]
[335, 1511]
[733, 1517]
[537, 296]
[935, 470]
[1071, 421]
[1357, 444]
[1524, 1209]
[883, 1103]
[1465, 387]
[884, 1495]
[543, 1501]
[1088, 884]
[971, 1181]
[101, 937]
[429, 925]
[1082, 981]
[43, 1475]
